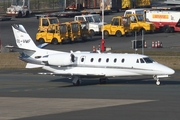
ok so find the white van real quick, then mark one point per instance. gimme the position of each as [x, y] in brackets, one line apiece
[134, 11]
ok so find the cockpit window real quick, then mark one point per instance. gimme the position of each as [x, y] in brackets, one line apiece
[148, 60]
[142, 61]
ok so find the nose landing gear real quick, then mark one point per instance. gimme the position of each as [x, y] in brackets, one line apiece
[157, 80]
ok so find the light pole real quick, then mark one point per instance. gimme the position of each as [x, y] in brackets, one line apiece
[102, 41]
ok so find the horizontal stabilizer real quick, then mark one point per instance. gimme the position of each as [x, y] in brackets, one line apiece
[30, 65]
[17, 49]
[42, 45]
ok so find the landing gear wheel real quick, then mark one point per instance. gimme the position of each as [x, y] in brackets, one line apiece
[77, 83]
[102, 80]
[158, 82]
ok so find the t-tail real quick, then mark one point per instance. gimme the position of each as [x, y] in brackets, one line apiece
[23, 40]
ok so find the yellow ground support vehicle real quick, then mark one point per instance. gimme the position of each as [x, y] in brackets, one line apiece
[78, 31]
[119, 26]
[55, 34]
[139, 21]
[45, 22]
[85, 33]
[51, 31]
[74, 30]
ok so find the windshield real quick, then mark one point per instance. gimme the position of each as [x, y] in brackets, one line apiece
[53, 21]
[140, 12]
[17, 2]
[89, 19]
[148, 60]
[97, 19]
[140, 17]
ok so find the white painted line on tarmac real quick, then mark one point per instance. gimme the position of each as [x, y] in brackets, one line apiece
[21, 107]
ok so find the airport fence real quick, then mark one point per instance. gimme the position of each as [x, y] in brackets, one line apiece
[43, 5]
[36, 5]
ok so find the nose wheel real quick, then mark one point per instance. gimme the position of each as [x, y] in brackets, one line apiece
[158, 82]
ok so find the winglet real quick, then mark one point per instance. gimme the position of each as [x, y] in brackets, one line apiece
[23, 40]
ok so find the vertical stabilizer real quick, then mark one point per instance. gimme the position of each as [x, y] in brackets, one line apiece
[23, 40]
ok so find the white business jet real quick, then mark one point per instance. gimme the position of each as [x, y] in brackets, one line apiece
[78, 65]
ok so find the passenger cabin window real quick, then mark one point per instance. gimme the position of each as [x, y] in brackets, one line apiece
[92, 59]
[82, 59]
[107, 60]
[122, 60]
[115, 60]
[99, 60]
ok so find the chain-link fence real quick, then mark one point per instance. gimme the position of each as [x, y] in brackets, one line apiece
[44, 5]
[36, 5]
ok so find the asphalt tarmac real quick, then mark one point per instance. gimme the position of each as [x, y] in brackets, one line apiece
[170, 41]
[24, 95]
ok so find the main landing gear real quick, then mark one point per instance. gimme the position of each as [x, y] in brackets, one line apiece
[76, 81]
[103, 80]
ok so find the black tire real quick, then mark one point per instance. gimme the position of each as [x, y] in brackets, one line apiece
[106, 34]
[54, 41]
[77, 83]
[102, 80]
[19, 15]
[27, 13]
[166, 29]
[118, 34]
[84, 38]
[92, 32]
[41, 40]
[171, 30]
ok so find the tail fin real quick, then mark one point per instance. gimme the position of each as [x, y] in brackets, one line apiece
[23, 40]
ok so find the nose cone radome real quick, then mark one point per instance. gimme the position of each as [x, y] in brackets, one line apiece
[165, 70]
[170, 71]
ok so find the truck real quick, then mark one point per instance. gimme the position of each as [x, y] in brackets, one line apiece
[95, 6]
[119, 26]
[139, 21]
[165, 21]
[94, 21]
[172, 2]
[19, 8]
[89, 6]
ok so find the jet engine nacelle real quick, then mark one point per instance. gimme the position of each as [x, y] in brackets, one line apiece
[63, 59]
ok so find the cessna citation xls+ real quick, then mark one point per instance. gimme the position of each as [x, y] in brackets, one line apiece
[78, 65]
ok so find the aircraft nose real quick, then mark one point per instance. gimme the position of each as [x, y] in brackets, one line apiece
[169, 71]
